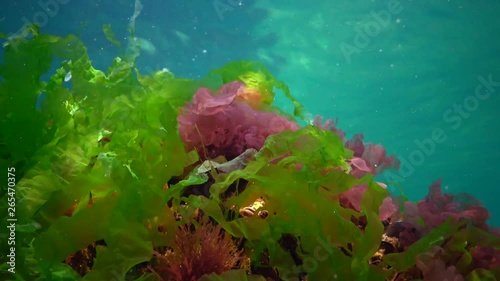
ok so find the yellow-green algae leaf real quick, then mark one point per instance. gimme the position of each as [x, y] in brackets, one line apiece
[22, 127]
[127, 241]
[297, 182]
[481, 274]
[405, 260]
[110, 35]
[256, 75]
[70, 234]
[365, 248]
[106, 133]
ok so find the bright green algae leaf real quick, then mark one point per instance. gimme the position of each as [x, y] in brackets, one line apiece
[69, 234]
[22, 130]
[126, 238]
[299, 174]
[471, 237]
[113, 138]
[116, 220]
[107, 135]
[256, 75]
[366, 247]
[309, 150]
[110, 131]
[405, 260]
[108, 32]
[481, 274]
[453, 237]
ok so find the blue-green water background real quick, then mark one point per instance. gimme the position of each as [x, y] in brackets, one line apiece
[396, 88]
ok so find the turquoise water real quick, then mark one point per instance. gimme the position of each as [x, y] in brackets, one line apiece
[396, 71]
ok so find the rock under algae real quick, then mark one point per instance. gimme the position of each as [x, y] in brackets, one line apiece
[110, 168]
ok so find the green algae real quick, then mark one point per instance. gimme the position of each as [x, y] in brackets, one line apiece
[94, 161]
[295, 190]
[256, 75]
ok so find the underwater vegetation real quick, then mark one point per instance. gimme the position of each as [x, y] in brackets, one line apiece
[122, 175]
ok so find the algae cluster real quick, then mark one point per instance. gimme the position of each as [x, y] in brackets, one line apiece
[105, 182]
